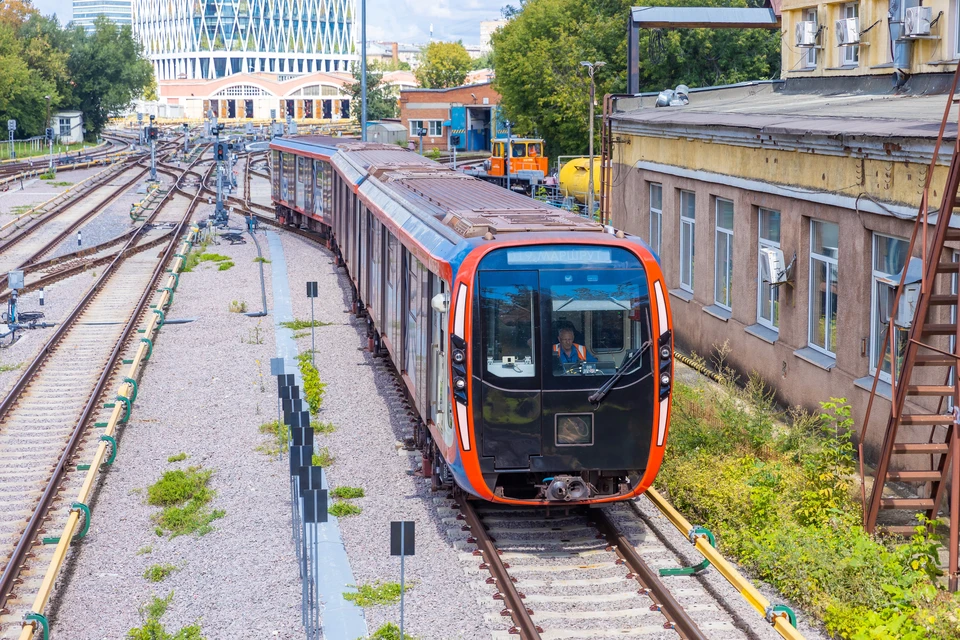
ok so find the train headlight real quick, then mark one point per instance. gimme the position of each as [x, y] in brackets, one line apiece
[459, 383]
[459, 356]
[664, 379]
[664, 352]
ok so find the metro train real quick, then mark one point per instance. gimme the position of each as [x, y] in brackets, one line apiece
[534, 344]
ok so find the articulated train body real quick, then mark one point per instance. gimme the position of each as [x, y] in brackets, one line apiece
[535, 345]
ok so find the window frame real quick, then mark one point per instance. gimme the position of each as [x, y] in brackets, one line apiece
[691, 223]
[728, 271]
[876, 359]
[774, 323]
[831, 267]
[810, 57]
[850, 53]
[656, 214]
[434, 125]
[415, 129]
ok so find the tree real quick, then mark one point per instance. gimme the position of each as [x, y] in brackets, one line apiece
[485, 61]
[22, 89]
[380, 101]
[16, 12]
[108, 70]
[544, 90]
[443, 65]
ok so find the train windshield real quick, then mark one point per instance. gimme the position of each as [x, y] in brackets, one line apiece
[580, 311]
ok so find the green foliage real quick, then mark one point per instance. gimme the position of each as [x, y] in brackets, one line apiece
[381, 103]
[48, 175]
[376, 593]
[184, 496]
[341, 509]
[443, 65]
[261, 260]
[153, 629]
[177, 457]
[60, 183]
[312, 387]
[159, 572]
[322, 458]
[237, 306]
[347, 493]
[10, 367]
[781, 500]
[223, 266]
[324, 428]
[545, 91]
[142, 551]
[297, 325]
[389, 631]
[279, 434]
[433, 154]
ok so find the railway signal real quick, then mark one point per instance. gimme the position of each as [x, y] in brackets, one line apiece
[220, 151]
[312, 294]
[11, 128]
[153, 133]
[402, 543]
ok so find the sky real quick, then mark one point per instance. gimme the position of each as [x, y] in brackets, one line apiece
[394, 20]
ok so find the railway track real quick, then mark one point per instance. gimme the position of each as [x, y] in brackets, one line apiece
[47, 421]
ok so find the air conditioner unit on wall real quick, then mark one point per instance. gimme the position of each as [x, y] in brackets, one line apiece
[917, 21]
[806, 33]
[773, 268]
[848, 31]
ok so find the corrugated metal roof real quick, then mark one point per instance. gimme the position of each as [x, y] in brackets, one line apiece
[764, 108]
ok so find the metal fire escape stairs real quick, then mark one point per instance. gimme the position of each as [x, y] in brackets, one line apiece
[921, 445]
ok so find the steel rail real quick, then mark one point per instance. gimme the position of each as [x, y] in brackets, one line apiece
[677, 617]
[20, 553]
[512, 598]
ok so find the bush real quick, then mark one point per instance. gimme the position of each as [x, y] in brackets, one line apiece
[312, 387]
[783, 501]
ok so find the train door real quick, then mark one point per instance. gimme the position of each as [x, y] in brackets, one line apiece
[439, 393]
[356, 242]
[509, 317]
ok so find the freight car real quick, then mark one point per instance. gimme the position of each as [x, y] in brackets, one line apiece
[535, 345]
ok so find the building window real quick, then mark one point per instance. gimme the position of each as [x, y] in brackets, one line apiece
[688, 208]
[435, 129]
[64, 127]
[415, 126]
[768, 296]
[723, 260]
[656, 215]
[824, 247]
[851, 54]
[810, 61]
[889, 256]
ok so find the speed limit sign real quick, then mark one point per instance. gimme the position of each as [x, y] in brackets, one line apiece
[11, 125]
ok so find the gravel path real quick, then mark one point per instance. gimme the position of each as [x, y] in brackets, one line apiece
[362, 401]
[202, 395]
[37, 191]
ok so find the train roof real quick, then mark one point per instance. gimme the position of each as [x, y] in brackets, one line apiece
[468, 206]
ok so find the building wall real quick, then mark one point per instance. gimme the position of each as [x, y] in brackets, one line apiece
[431, 104]
[800, 375]
[928, 55]
[86, 12]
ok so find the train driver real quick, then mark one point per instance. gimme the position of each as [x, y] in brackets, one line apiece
[569, 352]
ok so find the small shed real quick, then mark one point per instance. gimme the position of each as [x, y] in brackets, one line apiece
[67, 126]
[386, 132]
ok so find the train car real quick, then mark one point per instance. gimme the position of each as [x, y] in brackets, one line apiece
[535, 345]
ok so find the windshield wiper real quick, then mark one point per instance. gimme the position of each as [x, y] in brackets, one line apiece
[604, 389]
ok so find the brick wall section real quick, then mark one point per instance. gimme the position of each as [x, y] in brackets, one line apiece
[434, 104]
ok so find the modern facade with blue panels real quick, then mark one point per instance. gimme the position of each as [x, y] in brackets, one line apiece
[209, 39]
[86, 12]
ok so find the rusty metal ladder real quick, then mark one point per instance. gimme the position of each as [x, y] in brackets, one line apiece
[932, 346]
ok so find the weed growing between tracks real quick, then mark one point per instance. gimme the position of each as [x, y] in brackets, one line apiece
[389, 631]
[347, 493]
[298, 325]
[10, 367]
[279, 434]
[177, 457]
[238, 306]
[323, 458]
[784, 501]
[324, 428]
[159, 572]
[312, 387]
[153, 629]
[184, 496]
[368, 595]
[341, 509]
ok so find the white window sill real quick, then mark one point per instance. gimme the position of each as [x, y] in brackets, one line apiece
[764, 333]
[883, 388]
[718, 312]
[816, 358]
[682, 294]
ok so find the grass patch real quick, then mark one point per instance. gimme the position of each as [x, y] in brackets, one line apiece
[177, 457]
[184, 496]
[302, 334]
[261, 259]
[159, 572]
[10, 367]
[312, 387]
[341, 509]
[299, 325]
[223, 266]
[390, 631]
[142, 551]
[60, 183]
[238, 306]
[20, 209]
[153, 629]
[375, 593]
[200, 255]
[49, 175]
[322, 458]
[347, 493]
[784, 502]
[324, 428]
[279, 434]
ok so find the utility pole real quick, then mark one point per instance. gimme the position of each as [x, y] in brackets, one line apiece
[591, 67]
[506, 163]
[363, 70]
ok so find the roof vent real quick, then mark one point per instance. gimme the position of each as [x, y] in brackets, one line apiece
[674, 97]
